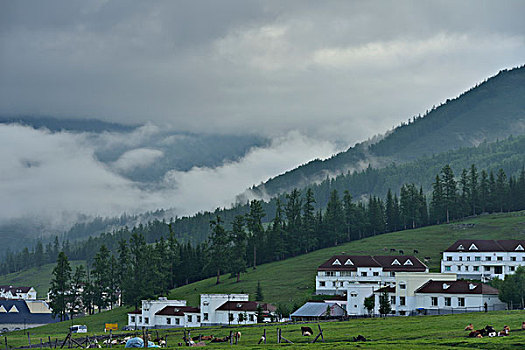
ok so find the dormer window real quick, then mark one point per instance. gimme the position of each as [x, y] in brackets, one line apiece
[446, 286]
[2, 309]
[473, 247]
[408, 262]
[471, 286]
[13, 309]
[519, 247]
[460, 247]
[396, 262]
[239, 306]
[349, 262]
[336, 262]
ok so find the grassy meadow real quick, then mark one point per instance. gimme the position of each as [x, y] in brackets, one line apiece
[416, 332]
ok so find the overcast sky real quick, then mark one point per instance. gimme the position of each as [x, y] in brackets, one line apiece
[304, 73]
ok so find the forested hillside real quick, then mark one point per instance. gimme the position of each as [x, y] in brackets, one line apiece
[494, 109]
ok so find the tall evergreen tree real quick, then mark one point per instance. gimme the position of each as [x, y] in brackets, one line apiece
[449, 192]
[61, 287]
[309, 241]
[219, 246]
[238, 250]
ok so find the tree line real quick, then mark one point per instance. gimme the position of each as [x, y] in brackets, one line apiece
[138, 270]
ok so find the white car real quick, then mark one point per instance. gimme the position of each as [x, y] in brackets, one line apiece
[79, 328]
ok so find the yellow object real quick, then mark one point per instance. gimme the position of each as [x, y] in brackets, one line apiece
[111, 326]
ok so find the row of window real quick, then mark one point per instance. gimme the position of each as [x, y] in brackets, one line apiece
[168, 320]
[350, 274]
[497, 269]
[487, 258]
[447, 301]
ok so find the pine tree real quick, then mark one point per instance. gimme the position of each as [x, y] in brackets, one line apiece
[334, 219]
[101, 278]
[474, 189]
[256, 229]
[61, 287]
[219, 246]
[258, 292]
[309, 241]
[449, 192]
[77, 286]
[238, 249]
[384, 304]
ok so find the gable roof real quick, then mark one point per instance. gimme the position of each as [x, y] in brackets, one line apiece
[456, 287]
[387, 262]
[318, 309]
[178, 311]
[14, 289]
[387, 289]
[24, 315]
[245, 306]
[485, 245]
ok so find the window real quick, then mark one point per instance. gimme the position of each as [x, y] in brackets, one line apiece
[449, 258]
[198, 319]
[512, 258]
[476, 268]
[177, 321]
[329, 273]
[322, 283]
[402, 313]
[346, 273]
[364, 274]
[132, 319]
[168, 320]
[461, 301]
[402, 286]
[488, 258]
[487, 268]
[448, 301]
[392, 274]
[393, 300]
[251, 318]
[460, 258]
[402, 301]
[140, 319]
[376, 273]
[434, 301]
[146, 320]
[477, 258]
[468, 258]
[205, 316]
[334, 283]
[499, 258]
[189, 318]
[447, 268]
[512, 268]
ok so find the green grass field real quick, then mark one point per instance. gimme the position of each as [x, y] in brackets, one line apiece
[292, 281]
[416, 332]
[37, 277]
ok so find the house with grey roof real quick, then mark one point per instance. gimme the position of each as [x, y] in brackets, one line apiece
[24, 314]
[318, 310]
[483, 259]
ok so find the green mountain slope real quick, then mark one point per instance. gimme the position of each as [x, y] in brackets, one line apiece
[292, 281]
[492, 110]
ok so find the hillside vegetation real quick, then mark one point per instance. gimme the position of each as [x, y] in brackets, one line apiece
[494, 109]
[292, 281]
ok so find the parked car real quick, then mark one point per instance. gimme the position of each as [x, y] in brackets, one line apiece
[128, 328]
[79, 328]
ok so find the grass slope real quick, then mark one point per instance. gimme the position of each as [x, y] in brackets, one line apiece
[292, 281]
[416, 332]
[37, 277]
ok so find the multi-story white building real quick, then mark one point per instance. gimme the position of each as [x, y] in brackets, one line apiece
[17, 293]
[483, 259]
[163, 313]
[437, 293]
[341, 272]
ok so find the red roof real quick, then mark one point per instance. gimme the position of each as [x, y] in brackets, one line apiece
[387, 262]
[135, 312]
[387, 289]
[245, 306]
[178, 310]
[15, 290]
[483, 245]
[456, 287]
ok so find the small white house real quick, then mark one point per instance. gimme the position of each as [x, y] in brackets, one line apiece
[457, 296]
[17, 293]
[341, 272]
[483, 259]
[146, 317]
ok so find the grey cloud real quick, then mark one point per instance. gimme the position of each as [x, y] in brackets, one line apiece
[266, 67]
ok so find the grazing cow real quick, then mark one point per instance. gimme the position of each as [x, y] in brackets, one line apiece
[469, 327]
[392, 250]
[306, 331]
[416, 251]
[401, 252]
[207, 337]
[474, 334]
[359, 338]
[237, 335]
[523, 325]
[504, 332]
[221, 340]
[162, 343]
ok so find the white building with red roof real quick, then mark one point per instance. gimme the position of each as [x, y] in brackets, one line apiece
[483, 259]
[17, 293]
[341, 272]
